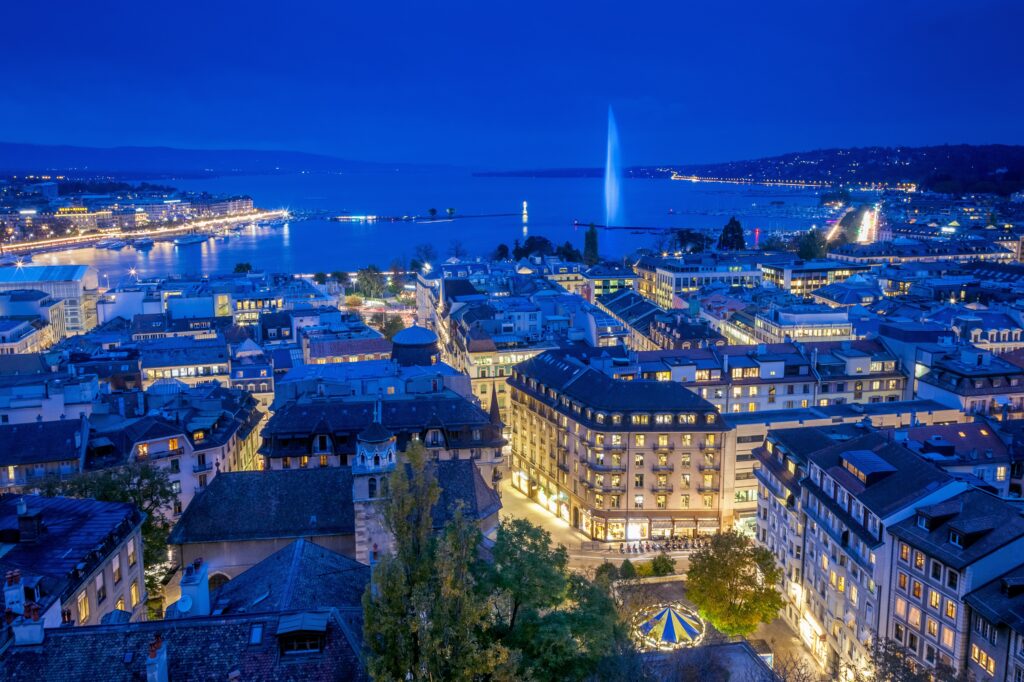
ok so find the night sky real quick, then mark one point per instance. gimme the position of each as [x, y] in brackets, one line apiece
[513, 84]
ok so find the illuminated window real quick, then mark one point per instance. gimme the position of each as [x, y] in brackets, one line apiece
[83, 607]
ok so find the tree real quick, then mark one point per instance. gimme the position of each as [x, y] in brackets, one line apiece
[627, 571]
[140, 483]
[341, 277]
[663, 564]
[243, 268]
[423, 619]
[692, 241]
[606, 573]
[590, 256]
[812, 245]
[370, 282]
[320, 278]
[450, 212]
[388, 325]
[535, 245]
[732, 582]
[527, 571]
[425, 253]
[501, 252]
[353, 301]
[433, 212]
[732, 236]
[569, 253]
[457, 249]
[775, 242]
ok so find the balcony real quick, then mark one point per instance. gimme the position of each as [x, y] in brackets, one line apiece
[201, 468]
[605, 466]
[661, 487]
[667, 447]
[664, 467]
[708, 466]
[564, 466]
[705, 488]
[609, 488]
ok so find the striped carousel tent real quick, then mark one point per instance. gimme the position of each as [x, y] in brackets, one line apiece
[669, 628]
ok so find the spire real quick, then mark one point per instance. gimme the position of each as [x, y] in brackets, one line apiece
[378, 408]
[494, 411]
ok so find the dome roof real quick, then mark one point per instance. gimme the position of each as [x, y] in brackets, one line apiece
[415, 336]
[375, 433]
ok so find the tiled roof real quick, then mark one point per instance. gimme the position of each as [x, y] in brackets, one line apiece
[210, 648]
[73, 528]
[986, 523]
[301, 576]
[294, 503]
[39, 442]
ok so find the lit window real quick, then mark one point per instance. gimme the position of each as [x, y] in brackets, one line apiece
[83, 607]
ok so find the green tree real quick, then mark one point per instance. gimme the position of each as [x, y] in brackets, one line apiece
[663, 564]
[627, 571]
[353, 301]
[422, 617]
[433, 212]
[320, 278]
[370, 282]
[590, 255]
[812, 245]
[732, 582]
[569, 253]
[606, 573]
[341, 277]
[775, 243]
[732, 238]
[140, 483]
[450, 212]
[388, 325]
[527, 571]
[243, 268]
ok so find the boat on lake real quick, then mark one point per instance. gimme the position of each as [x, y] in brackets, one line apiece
[143, 244]
[191, 239]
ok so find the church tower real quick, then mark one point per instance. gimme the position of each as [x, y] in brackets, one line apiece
[374, 461]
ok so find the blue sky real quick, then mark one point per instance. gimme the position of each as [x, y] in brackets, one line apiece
[513, 85]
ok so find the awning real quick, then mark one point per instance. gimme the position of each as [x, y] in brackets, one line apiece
[661, 524]
[709, 523]
[685, 523]
[303, 622]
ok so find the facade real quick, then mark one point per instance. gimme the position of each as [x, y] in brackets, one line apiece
[801, 278]
[32, 452]
[76, 285]
[807, 322]
[317, 432]
[619, 460]
[943, 553]
[72, 561]
[186, 360]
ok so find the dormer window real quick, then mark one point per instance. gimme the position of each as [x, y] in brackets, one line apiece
[922, 522]
[321, 443]
[955, 539]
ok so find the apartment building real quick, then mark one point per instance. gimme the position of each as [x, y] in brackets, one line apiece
[619, 460]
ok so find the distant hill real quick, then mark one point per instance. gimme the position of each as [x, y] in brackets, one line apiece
[161, 161]
[993, 168]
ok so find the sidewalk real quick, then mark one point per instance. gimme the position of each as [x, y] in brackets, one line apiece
[517, 505]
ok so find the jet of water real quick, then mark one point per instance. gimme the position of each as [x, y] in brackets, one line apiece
[612, 175]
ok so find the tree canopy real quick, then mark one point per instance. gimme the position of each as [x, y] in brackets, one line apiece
[691, 241]
[732, 238]
[732, 582]
[812, 245]
[243, 268]
[590, 255]
[370, 282]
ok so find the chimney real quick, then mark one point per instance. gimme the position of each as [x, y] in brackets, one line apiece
[28, 630]
[14, 593]
[156, 662]
[30, 523]
[195, 585]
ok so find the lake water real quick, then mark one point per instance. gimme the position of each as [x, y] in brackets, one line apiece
[321, 245]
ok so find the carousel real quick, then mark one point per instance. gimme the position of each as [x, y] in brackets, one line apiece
[667, 627]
